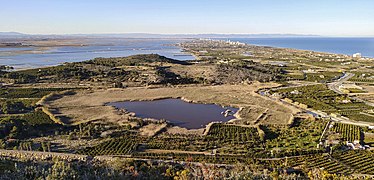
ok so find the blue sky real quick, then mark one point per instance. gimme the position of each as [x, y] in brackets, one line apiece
[320, 17]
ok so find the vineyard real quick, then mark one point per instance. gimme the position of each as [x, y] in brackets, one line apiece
[233, 139]
[309, 162]
[180, 142]
[27, 92]
[221, 159]
[222, 137]
[35, 118]
[328, 164]
[233, 134]
[16, 106]
[348, 132]
[349, 162]
[303, 134]
[120, 146]
[361, 161]
[366, 77]
[319, 97]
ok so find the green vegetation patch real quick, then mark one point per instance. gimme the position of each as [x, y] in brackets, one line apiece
[119, 146]
[234, 134]
[17, 106]
[361, 161]
[28, 92]
[304, 134]
[323, 77]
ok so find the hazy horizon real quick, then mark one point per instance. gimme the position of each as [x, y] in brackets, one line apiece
[336, 18]
[182, 35]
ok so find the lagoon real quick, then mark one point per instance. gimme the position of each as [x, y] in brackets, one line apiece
[178, 112]
[33, 57]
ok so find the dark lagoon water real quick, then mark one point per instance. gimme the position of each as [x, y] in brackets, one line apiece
[347, 46]
[177, 111]
[95, 48]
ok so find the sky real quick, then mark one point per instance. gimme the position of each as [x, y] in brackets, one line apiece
[316, 17]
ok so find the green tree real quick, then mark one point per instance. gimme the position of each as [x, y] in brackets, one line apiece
[2, 144]
[14, 132]
[62, 170]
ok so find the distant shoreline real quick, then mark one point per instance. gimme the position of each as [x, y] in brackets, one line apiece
[11, 58]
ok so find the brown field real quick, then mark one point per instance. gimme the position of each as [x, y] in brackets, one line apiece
[369, 95]
[369, 139]
[89, 105]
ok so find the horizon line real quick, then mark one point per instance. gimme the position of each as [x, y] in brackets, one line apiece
[15, 33]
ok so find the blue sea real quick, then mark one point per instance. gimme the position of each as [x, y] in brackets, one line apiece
[347, 46]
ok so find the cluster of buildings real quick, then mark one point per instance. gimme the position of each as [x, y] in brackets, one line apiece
[229, 42]
[356, 145]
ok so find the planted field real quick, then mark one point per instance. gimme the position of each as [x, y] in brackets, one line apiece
[121, 146]
[304, 133]
[366, 77]
[348, 132]
[27, 92]
[233, 134]
[323, 77]
[319, 97]
[310, 162]
[361, 161]
[16, 106]
[369, 139]
[219, 159]
[35, 118]
[179, 142]
[224, 138]
[328, 164]
[349, 162]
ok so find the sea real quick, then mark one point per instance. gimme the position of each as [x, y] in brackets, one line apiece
[31, 57]
[337, 45]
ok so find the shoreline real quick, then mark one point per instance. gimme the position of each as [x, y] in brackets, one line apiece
[181, 50]
[127, 50]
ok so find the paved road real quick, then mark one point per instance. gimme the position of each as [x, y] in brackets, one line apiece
[335, 85]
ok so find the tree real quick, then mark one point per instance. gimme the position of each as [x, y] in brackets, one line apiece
[62, 170]
[44, 148]
[2, 144]
[14, 132]
[49, 146]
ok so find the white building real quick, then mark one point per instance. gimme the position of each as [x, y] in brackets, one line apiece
[357, 55]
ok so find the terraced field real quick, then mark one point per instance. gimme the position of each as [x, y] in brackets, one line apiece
[362, 162]
[120, 146]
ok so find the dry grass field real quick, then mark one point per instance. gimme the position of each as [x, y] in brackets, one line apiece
[369, 95]
[90, 105]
